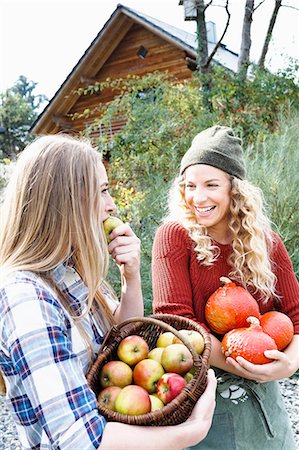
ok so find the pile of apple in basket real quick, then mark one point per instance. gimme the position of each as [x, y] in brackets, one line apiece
[141, 380]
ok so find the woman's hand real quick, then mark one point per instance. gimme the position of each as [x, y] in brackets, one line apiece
[125, 250]
[284, 364]
[200, 420]
[173, 437]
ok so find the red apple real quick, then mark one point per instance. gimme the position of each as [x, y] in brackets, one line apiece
[147, 373]
[133, 400]
[177, 358]
[165, 339]
[156, 403]
[156, 354]
[132, 349]
[116, 373]
[107, 397]
[195, 339]
[169, 386]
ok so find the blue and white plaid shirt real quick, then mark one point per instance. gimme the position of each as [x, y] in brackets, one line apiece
[44, 361]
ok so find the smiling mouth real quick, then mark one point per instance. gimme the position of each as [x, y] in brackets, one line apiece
[205, 210]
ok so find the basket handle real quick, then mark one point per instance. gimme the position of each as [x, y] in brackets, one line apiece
[154, 321]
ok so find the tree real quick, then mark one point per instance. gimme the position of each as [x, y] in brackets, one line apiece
[196, 9]
[265, 48]
[18, 110]
[243, 61]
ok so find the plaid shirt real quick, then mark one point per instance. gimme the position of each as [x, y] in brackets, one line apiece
[44, 360]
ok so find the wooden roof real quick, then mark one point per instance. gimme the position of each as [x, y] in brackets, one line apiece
[53, 117]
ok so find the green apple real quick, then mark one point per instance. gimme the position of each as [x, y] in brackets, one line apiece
[194, 337]
[156, 354]
[133, 400]
[165, 339]
[177, 358]
[109, 224]
[156, 402]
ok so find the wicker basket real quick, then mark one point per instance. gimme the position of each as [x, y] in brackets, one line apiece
[179, 409]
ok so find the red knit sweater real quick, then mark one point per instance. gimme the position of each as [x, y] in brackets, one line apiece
[182, 286]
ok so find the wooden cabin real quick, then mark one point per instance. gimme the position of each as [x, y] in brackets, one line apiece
[129, 43]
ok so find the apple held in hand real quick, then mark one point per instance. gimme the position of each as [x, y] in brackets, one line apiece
[195, 339]
[107, 397]
[156, 403]
[147, 373]
[177, 358]
[116, 373]
[169, 386]
[165, 339]
[133, 400]
[132, 349]
[109, 225]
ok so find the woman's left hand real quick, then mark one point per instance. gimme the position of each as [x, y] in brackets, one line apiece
[125, 250]
[283, 364]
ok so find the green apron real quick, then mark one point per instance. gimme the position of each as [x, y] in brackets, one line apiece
[248, 416]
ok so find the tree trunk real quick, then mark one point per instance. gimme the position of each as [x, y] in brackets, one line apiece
[203, 53]
[243, 61]
[261, 62]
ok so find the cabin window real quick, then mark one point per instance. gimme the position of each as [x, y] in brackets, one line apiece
[142, 52]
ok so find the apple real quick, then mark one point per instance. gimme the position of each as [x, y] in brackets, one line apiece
[169, 386]
[165, 339]
[147, 373]
[133, 400]
[116, 373]
[107, 397]
[109, 224]
[188, 376]
[156, 403]
[156, 354]
[177, 358]
[195, 339]
[132, 349]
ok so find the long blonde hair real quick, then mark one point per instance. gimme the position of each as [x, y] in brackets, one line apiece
[51, 213]
[252, 236]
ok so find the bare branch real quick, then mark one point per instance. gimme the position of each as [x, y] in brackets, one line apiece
[261, 2]
[211, 56]
[265, 48]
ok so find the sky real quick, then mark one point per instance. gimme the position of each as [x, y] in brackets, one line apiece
[44, 39]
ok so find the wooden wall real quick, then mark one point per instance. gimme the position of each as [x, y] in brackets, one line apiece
[161, 55]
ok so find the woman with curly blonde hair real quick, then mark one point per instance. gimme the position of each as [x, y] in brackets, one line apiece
[55, 306]
[217, 227]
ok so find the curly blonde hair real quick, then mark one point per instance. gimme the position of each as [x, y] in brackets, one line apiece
[252, 236]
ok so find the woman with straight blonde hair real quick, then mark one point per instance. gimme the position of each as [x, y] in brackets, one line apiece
[55, 306]
[217, 227]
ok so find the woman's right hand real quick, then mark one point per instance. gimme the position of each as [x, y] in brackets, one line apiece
[118, 436]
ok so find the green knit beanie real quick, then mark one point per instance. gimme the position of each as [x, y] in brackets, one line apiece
[218, 147]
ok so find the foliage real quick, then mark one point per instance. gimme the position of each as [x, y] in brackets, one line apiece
[162, 118]
[273, 165]
[18, 110]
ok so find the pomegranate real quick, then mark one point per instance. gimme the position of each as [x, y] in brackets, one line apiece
[250, 343]
[279, 326]
[229, 306]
